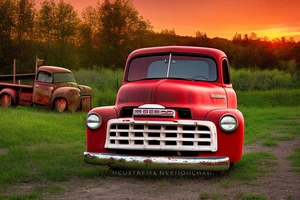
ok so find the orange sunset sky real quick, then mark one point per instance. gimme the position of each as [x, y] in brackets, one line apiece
[217, 18]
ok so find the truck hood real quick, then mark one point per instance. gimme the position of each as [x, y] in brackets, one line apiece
[199, 97]
[85, 90]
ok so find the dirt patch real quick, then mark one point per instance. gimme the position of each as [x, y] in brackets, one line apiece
[3, 151]
[281, 183]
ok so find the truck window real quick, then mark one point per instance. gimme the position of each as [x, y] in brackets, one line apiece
[173, 66]
[225, 68]
[44, 77]
[63, 77]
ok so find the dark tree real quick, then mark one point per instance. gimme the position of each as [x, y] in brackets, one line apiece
[117, 28]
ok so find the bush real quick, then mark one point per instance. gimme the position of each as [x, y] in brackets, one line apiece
[243, 79]
[104, 83]
[246, 79]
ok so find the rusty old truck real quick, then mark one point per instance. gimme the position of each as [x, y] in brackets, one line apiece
[176, 109]
[53, 88]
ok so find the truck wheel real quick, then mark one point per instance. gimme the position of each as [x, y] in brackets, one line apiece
[60, 104]
[5, 100]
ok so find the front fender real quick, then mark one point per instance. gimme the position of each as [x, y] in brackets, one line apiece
[229, 144]
[85, 90]
[95, 139]
[13, 93]
[71, 94]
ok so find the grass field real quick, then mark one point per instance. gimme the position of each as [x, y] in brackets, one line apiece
[45, 148]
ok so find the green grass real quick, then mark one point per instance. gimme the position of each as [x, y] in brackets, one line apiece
[39, 146]
[271, 124]
[295, 158]
[269, 98]
[252, 165]
[241, 195]
[210, 195]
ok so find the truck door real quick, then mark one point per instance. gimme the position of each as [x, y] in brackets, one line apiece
[42, 89]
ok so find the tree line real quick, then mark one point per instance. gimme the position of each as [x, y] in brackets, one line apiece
[105, 34]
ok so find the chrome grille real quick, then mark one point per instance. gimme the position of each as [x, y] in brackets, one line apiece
[180, 135]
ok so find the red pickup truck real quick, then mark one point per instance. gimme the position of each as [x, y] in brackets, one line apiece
[176, 109]
[53, 88]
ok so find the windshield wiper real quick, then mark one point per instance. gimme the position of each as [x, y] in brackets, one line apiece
[149, 78]
[196, 78]
[179, 78]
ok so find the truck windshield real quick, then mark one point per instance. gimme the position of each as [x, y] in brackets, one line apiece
[63, 77]
[172, 66]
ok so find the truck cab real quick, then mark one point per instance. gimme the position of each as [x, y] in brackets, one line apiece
[176, 109]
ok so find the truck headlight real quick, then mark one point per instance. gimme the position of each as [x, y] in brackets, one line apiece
[228, 123]
[93, 121]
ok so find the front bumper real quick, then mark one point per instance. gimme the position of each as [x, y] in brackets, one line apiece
[158, 163]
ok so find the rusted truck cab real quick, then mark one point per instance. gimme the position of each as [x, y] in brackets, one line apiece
[176, 109]
[56, 88]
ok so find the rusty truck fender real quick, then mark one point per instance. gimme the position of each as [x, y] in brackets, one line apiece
[13, 93]
[72, 96]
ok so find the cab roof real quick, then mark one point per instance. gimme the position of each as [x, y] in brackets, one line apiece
[215, 53]
[54, 69]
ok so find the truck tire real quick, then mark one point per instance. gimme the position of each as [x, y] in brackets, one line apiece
[60, 104]
[5, 100]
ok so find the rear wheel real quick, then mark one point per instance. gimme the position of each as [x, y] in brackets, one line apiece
[5, 100]
[60, 104]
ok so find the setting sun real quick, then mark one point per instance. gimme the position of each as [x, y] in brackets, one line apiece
[279, 32]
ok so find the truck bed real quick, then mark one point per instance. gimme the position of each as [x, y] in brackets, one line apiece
[24, 92]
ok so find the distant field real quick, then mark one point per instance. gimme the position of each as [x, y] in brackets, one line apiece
[44, 148]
